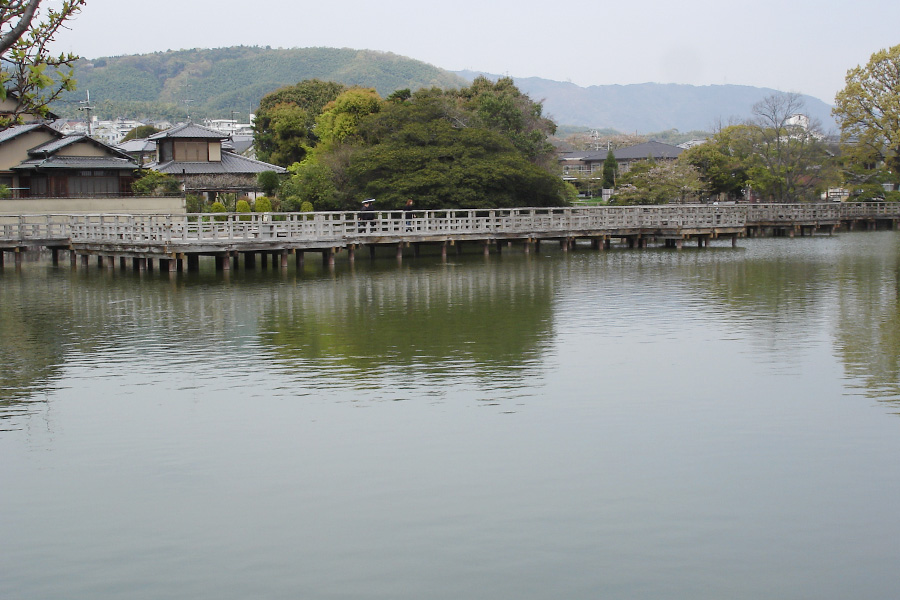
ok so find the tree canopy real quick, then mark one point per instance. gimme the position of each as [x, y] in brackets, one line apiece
[868, 112]
[478, 147]
[30, 75]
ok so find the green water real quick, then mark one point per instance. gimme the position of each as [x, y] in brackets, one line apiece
[715, 423]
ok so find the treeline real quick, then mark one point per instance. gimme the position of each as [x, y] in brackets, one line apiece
[215, 83]
[481, 146]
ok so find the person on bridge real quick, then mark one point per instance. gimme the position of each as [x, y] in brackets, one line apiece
[366, 215]
[408, 213]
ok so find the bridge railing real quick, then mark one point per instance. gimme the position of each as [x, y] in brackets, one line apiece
[342, 226]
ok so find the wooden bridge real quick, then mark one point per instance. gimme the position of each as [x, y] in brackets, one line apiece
[174, 240]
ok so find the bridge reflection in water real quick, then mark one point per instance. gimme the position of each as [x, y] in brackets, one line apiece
[176, 241]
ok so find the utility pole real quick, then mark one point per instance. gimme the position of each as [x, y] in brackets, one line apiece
[87, 108]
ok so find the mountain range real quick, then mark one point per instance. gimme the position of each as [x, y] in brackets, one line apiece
[223, 82]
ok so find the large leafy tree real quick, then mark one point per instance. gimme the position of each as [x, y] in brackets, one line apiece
[650, 182]
[723, 161]
[422, 151]
[788, 154]
[286, 118]
[868, 111]
[502, 107]
[30, 76]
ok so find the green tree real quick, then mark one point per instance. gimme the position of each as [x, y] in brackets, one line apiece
[311, 183]
[269, 181]
[283, 142]
[868, 112]
[789, 156]
[649, 182]
[723, 161]
[339, 122]
[140, 133]
[610, 170]
[503, 108]
[154, 183]
[29, 75]
[442, 166]
[285, 121]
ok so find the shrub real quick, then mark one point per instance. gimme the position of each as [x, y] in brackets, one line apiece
[306, 206]
[5, 192]
[262, 204]
[242, 206]
[218, 207]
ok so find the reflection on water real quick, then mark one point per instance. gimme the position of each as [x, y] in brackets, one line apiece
[624, 424]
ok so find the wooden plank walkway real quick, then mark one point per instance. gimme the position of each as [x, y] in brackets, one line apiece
[173, 238]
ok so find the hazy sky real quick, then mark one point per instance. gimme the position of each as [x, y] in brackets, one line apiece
[803, 46]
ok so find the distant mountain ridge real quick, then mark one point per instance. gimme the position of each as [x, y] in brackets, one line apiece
[217, 83]
[650, 107]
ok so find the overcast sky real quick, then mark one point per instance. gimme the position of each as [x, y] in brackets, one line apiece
[803, 46]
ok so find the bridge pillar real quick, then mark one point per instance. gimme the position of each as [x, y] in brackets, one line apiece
[284, 260]
[400, 252]
[18, 258]
[249, 260]
[193, 263]
[487, 248]
[264, 259]
[84, 260]
[111, 263]
[298, 259]
[1, 258]
[415, 248]
[54, 257]
[444, 251]
[372, 251]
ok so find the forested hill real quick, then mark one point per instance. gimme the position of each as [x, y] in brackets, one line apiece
[649, 107]
[226, 82]
[214, 82]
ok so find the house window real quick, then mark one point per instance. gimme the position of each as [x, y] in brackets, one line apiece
[191, 151]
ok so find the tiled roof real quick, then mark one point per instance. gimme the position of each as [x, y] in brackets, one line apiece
[17, 130]
[142, 145]
[189, 130]
[647, 149]
[77, 162]
[230, 164]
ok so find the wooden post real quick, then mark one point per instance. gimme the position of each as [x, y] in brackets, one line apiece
[298, 259]
[284, 260]
[400, 252]
[444, 251]
[84, 260]
[18, 258]
[54, 257]
[487, 248]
